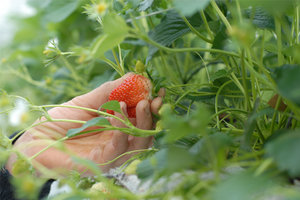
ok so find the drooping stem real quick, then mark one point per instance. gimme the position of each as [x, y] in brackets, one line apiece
[47, 147]
[181, 50]
[195, 31]
[87, 109]
[297, 25]
[221, 15]
[206, 24]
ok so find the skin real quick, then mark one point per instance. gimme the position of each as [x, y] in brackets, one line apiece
[99, 147]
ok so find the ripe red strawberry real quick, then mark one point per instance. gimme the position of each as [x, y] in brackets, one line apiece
[131, 112]
[131, 91]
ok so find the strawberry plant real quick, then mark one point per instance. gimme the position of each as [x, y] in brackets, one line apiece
[229, 126]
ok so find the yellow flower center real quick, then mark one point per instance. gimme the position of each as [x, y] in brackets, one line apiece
[24, 117]
[101, 7]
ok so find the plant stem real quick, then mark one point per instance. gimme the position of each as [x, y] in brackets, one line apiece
[279, 43]
[216, 101]
[262, 48]
[229, 109]
[238, 7]
[195, 31]
[221, 15]
[233, 130]
[244, 80]
[181, 50]
[124, 154]
[26, 129]
[297, 25]
[29, 80]
[87, 109]
[120, 69]
[275, 114]
[70, 67]
[206, 25]
[46, 148]
[113, 65]
[121, 60]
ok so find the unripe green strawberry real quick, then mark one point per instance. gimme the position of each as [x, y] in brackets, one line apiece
[131, 91]
[139, 67]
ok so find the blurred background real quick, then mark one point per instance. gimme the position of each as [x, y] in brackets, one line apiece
[27, 28]
[30, 69]
[10, 9]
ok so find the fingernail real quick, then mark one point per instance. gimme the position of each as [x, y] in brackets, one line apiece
[123, 105]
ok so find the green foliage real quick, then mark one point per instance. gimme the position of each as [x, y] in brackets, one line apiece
[287, 79]
[179, 127]
[189, 7]
[243, 186]
[167, 31]
[115, 30]
[230, 71]
[284, 150]
[28, 186]
[57, 10]
[112, 105]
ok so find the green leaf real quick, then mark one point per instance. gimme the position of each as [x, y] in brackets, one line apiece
[288, 82]
[177, 159]
[220, 38]
[144, 5]
[276, 7]
[219, 74]
[244, 186]
[211, 147]
[180, 127]
[38, 4]
[115, 25]
[189, 7]
[293, 51]
[145, 169]
[112, 105]
[170, 28]
[58, 10]
[285, 152]
[115, 30]
[202, 94]
[261, 18]
[166, 162]
[98, 121]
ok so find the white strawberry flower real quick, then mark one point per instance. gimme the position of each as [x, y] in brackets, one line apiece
[19, 113]
[52, 43]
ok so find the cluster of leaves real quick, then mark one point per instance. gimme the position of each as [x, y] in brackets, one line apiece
[229, 128]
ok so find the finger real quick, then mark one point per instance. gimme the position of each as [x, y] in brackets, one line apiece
[161, 92]
[98, 96]
[144, 121]
[116, 122]
[156, 104]
[143, 115]
[119, 139]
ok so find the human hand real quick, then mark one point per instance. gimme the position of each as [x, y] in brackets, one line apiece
[99, 147]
